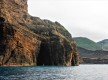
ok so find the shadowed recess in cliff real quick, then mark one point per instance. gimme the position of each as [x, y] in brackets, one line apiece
[1, 27]
[2, 20]
[44, 55]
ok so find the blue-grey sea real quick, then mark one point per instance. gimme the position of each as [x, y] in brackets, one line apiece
[82, 72]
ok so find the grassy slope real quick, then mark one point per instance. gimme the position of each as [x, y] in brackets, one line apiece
[87, 43]
[104, 44]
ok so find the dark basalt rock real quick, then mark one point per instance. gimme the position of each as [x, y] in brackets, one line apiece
[27, 40]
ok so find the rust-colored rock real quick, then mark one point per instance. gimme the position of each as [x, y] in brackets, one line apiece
[27, 40]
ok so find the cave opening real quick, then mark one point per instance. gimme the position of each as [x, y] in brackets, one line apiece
[2, 20]
[44, 58]
[1, 27]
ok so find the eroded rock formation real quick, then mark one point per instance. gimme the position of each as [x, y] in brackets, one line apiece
[27, 40]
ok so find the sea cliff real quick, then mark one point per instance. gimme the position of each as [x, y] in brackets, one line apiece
[29, 41]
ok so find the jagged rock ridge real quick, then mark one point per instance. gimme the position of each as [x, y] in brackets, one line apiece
[27, 40]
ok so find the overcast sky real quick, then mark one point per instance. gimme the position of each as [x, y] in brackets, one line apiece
[82, 18]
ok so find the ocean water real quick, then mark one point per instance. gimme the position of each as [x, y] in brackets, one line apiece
[82, 72]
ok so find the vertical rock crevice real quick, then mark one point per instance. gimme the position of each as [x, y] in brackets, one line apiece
[44, 57]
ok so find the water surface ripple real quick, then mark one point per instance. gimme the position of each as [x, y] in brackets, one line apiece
[82, 72]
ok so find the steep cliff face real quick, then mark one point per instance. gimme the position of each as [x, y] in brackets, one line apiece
[27, 40]
[13, 10]
[17, 46]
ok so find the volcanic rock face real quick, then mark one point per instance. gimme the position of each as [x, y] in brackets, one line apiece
[13, 10]
[27, 40]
